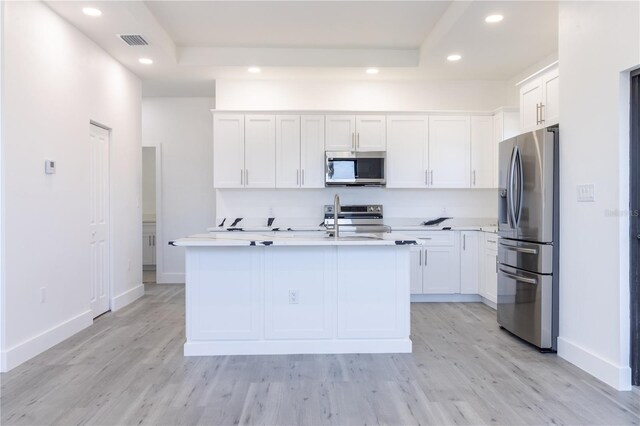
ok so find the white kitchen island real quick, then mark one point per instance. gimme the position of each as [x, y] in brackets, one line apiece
[281, 293]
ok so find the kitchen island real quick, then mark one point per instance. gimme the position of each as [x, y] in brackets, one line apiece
[283, 293]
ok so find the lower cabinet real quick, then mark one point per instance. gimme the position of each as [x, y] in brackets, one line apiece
[455, 262]
[148, 244]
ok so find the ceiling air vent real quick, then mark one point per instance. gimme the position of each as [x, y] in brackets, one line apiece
[134, 39]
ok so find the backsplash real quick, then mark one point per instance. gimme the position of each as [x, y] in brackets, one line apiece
[398, 203]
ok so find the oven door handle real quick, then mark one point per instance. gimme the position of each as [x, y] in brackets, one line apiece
[519, 278]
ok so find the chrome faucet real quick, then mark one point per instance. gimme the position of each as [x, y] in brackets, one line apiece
[336, 210]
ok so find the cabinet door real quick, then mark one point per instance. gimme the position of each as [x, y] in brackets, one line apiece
[371, 133]
[260, 151]
[490, 276]
[469, 263]
[530, 99]
[415, 254]
[312, 151]
[449, 151]
[288, 151]
[498, 136]
[340, 133]
[228, 150]
[147, 249]
[550, 98]
[441, 273]
[483, 153]
[407, 151]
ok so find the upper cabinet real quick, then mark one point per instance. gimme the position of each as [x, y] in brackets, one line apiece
[539, 100]
[288, 174]
[312, 151]
[355, 133]
[260, 151]
[228, 150]
[483, 152]
[449, 151]
[407, 151]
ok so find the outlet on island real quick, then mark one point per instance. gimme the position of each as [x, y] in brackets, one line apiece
[293, 297]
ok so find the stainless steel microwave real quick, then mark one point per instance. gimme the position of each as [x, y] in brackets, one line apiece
[355, 168]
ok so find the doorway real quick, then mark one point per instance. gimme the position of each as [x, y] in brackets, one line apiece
[99, 232]
[149, 217]
[634, 226]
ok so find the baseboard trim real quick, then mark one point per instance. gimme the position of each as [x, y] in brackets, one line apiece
[283, 347]
[489, 303]
[618, 377]
[170, 277]
[43, 341]
[123, 299]
[445, 298]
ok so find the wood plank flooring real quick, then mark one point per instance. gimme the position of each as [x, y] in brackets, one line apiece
[128, 368]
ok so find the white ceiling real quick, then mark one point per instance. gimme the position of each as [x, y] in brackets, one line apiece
[195, 42]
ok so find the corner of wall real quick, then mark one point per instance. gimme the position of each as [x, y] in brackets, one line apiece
[123, 299]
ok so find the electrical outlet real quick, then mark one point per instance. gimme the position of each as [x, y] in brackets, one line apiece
[43, 294]
[586, 193]
[293, 297]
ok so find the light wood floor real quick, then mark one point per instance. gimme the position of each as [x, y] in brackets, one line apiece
[128, 368]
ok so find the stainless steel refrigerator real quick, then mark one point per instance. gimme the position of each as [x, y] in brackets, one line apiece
[528, 225]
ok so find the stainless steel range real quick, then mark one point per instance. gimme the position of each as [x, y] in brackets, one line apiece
[357, 218]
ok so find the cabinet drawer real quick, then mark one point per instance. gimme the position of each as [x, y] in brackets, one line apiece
[438, 239]
[491, 242]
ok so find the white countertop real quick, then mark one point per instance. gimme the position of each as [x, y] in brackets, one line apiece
[233, 239]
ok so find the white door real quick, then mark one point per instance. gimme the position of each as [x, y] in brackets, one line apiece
[483, 153]
[530, 99]
[550, 98]
[371, 133]
[228, 150]
[407, 151]
[449, 151]
[312, 151]
[340, 133]
[260, 151]
[415, 255]
[288, 173]
[469, 263]
[441, 273]
[99, 244]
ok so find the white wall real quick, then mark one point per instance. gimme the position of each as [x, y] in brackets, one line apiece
[2, 215]
[184, 128]
[599, 41]
[56, 81]
[398, 203]
[148, 183]
[360, 95]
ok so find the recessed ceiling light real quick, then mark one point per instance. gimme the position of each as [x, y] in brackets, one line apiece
[145, 61]
[91, 11]
[454, 57]
[492, 19]
[373, 70]
[254, 70]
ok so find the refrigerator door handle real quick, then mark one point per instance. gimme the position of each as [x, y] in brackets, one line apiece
[520, 187]
[510, 206]
[518, 278]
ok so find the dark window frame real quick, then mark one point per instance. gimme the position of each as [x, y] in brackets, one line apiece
[634, 225]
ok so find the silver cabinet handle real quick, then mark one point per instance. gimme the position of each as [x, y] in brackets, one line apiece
[464, 241]
[474, 178]
[302, 177]
[353, 141]
[518, 278]
[154, 240]
[246, 176]
[541, 113]
[420, 258]
[426, 177]
[358, 140]
[432, 177]
[297, 177]
[241, 177]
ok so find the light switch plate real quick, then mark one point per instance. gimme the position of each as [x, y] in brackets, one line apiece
[586, 193]
[49, 167]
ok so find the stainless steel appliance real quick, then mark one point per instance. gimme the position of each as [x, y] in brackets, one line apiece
[355, 168]
[528, 227]
[358, 218]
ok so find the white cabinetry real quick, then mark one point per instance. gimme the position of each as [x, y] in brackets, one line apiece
[438, 264]
[539, 100]
[469, 262]
[355, 133]
[489, 276]
[228, 150]
[407, 151]
[483, 153]
[148, 244]
[449, 151]
[288, 151]
[312, 151]
[260, 151]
